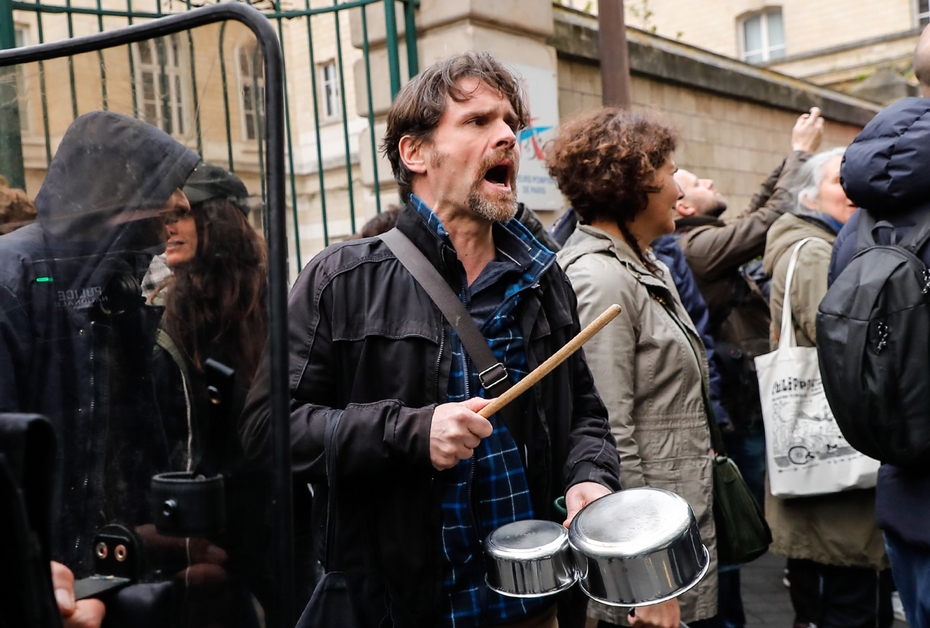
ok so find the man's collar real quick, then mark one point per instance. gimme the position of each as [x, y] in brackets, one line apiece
[511, 239]
[697, 220]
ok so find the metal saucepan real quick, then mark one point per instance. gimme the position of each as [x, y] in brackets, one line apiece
[637, 547]
[529, 558]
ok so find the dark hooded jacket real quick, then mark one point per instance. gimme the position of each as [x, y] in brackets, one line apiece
[75, 336]
[885, 171]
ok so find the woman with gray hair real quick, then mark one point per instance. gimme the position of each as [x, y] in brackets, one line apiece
[837, 569]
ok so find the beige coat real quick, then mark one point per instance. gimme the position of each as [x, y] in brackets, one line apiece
[649, 374]
[837, 529]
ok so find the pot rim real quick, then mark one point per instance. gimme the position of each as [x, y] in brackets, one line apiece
[677, 593]
[564, 587]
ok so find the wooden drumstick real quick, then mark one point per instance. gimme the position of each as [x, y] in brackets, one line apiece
[546, 367]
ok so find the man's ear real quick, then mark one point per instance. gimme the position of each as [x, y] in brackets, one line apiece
[684, 209]
[413, 154]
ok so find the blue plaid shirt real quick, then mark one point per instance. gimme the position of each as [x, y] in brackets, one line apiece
[490, 489]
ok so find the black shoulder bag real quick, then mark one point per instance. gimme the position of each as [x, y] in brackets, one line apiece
[330, 604]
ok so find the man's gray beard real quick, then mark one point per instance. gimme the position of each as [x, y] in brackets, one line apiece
[502, 209]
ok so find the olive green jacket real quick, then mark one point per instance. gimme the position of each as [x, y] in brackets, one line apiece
[649, 372]
[836, 529]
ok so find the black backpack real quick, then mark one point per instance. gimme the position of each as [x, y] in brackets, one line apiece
[873, 338]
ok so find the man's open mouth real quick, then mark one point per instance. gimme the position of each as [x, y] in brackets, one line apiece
[500, 174]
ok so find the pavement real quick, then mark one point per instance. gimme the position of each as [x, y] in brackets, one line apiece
[765, 597]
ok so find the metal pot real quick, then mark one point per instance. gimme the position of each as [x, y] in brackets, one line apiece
[529, 558]
[637, 547]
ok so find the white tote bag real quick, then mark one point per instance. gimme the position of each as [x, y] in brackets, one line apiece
[805, 450]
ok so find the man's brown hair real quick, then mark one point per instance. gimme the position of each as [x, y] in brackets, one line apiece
[421, 103]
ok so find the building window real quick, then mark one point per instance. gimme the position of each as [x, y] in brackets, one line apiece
[923, 12]
[22, 87]
[161, 86]
[251, 90]
[763, 36]
[329, 89]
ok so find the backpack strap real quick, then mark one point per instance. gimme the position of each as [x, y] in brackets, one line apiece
[918, 235]
[865, 234]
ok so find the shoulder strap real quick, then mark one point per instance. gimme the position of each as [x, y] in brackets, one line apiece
[491, 372]
[786, 334]
[864, 236]
[918, 235]
[329, 455]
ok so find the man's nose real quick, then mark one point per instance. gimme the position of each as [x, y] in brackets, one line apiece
[708, 183]
[505, 135]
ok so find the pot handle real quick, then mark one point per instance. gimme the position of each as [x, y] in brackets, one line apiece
[559, 504]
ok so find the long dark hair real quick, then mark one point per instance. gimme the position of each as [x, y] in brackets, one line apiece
[222, 287]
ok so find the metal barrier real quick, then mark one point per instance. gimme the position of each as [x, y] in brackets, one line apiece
[314, 160]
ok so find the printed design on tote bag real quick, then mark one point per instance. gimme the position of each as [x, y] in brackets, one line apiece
[806, 433]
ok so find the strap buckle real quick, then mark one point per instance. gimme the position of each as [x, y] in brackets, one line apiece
[497, 373]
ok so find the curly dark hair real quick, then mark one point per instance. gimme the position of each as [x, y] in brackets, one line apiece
[222, 287]
[605, 163]
[419, 105]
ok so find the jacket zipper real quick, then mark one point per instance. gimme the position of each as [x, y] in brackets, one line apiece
[716, 440]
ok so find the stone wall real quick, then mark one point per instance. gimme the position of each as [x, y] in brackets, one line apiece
[808, 25]
[734, 120]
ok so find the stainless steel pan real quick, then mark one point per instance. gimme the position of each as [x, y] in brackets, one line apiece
[637, 547]
[529, 558]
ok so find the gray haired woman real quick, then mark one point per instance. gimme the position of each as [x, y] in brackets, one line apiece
[837, 568]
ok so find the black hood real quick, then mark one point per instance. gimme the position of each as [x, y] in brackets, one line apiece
[109, 170]
[885, 168]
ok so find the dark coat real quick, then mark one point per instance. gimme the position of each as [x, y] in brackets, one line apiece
[885, 171]
[666, 249]
[367, 342]
[75, 339]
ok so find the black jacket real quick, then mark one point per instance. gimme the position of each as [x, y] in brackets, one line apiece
[75, 340]
[885, 171]
[367, 342]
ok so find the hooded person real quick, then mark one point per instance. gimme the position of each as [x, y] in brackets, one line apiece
[884, 171]
[837, 567]
[76, 337]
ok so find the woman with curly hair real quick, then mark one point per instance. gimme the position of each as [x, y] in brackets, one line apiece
[649, 364]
